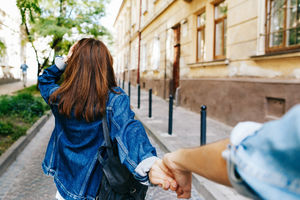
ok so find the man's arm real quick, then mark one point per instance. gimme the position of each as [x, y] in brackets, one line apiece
[207, 161]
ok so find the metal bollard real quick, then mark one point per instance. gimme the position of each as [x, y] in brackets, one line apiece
[123, 84]
[129, 88]
[170, 115]
[150, 103]
[203, 126]
[139, 96]
[119, 82]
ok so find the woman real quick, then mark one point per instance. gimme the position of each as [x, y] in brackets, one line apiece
[89, 92]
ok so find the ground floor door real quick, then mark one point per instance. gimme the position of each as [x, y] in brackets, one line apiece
[175, 78]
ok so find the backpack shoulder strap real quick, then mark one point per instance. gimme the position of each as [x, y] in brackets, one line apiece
[106, 136]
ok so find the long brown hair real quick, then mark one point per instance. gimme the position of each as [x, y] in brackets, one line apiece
[89, 76]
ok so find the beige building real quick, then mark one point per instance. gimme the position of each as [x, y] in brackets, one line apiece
[240, 58]
[11, 39]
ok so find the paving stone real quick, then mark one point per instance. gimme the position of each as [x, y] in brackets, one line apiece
[24, 179]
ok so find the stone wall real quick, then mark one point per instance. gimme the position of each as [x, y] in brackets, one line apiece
[235, 100]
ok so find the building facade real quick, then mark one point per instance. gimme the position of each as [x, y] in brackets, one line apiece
[240, 58]
[12, 50]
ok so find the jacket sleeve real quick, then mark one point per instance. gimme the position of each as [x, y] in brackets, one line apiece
[47, 81]
[267, 159]
[133, 143]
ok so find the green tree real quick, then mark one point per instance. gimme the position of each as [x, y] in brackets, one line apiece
[2, 49]
[59, 23]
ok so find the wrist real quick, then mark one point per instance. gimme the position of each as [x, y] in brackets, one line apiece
[175, 160]
[180, 159]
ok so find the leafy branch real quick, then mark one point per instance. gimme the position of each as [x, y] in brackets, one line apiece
[60, 23]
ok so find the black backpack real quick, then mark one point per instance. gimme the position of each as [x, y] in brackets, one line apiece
[117, 181]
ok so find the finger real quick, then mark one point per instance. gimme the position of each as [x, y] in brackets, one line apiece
[184, 195]
[165, 169]
[161, 182]
[159, 174]
[179, 191]
[166, 185]
[166, 174]
[157, 181]
[173, 186]
[171, 182]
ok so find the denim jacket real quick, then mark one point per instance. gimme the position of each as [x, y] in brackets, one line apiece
[71, 155]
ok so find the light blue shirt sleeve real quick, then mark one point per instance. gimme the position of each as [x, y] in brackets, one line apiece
[263, 160]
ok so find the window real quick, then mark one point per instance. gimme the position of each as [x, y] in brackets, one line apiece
[126, 59]
[155, 53]
[144, 57]
[220, 30]
[121, 63]
[133, 13]
[170, 47]
[133, 61]
[201, 19]
[283, 25]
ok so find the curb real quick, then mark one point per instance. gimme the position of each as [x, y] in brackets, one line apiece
[198, 184]
[10, 155]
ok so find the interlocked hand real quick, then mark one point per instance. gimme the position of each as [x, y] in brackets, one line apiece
[160, 175]
[181, 176]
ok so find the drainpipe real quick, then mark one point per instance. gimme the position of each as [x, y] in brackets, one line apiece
[165, 68]
[139, 50]
[129, 57]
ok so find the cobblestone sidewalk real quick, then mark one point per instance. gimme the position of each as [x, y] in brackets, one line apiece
[24, 179]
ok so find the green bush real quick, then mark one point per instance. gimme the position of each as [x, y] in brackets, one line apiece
[23, 105]
[17, 114]
[6, 128]
[15, 131]
[5, 105]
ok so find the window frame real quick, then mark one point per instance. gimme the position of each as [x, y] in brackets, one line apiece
[218, 21]
[200, 29]
[145, 7]
[283, 46]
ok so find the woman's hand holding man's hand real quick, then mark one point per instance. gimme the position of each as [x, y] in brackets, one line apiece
[182, 177]
[160, 175]
[168, 175]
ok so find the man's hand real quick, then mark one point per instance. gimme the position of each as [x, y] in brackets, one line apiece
[160, 175]
[182, 177]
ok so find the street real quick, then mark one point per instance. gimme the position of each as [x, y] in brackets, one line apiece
[9, 88]
[24, 179]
